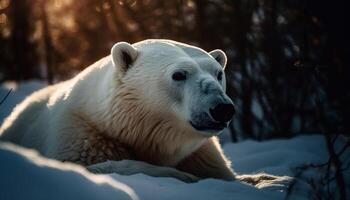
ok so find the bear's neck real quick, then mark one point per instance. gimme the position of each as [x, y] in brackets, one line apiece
[153, 137]
[92, 95]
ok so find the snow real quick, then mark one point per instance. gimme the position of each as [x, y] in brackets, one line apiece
[27, 175]
[276, 157]
[257, 109]
[18, 93]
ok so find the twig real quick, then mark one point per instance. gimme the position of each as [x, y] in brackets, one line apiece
[3, 99]
[338, 165]
[343, 149]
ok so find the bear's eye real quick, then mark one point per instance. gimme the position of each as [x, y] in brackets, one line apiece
[179, 76]
[219, 76]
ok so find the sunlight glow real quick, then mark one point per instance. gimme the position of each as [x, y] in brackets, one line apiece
[4, 4]
[8, 85]
[3, 18]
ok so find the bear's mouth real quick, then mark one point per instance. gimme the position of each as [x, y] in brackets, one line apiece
[201, 121]
[209, 127]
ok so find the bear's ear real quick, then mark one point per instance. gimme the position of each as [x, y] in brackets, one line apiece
[219, 56]
[123, 56]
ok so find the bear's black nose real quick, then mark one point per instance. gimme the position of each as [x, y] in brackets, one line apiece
[222, 112]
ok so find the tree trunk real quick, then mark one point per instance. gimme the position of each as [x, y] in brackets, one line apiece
[24, 51]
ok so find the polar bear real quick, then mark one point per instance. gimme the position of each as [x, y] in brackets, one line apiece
[154, 107]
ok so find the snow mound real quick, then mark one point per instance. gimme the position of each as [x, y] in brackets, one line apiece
[24, 174]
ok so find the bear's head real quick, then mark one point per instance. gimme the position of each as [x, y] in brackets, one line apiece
[178, 81]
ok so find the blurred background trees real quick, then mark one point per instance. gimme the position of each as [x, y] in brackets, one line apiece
[285, 57]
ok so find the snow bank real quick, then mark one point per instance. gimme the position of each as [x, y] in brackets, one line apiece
[26, 175]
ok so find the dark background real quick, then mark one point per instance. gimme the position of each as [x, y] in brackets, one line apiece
[287, 69]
